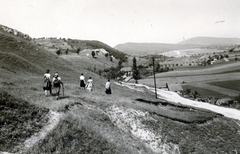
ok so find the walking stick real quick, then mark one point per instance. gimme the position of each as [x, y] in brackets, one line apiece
[63, 89]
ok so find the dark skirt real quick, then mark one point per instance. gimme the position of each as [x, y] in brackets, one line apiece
[56, 85]
[47, 86]
[108, 91]
[82, 84]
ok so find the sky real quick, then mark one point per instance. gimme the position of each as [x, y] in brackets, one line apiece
[119, 21]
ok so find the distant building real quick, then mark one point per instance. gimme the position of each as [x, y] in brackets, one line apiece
[127, 70]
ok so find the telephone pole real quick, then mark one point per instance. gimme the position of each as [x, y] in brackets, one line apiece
[154, 78]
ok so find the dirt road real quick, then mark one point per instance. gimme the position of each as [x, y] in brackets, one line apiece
[174, 97]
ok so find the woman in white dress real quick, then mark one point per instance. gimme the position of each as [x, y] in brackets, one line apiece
[89, 84]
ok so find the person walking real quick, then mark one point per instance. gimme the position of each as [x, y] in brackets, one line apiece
[47, 83]
[56, 82]
[89, 85]
[82, 81]
[108, 88]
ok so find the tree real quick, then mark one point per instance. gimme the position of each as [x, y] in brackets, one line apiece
[67, 51]
[120, 62]
[93, 54]
[158, 68]
[106, 55]
[226, 56]
[135, 70]
[58, 52]
[78, 50]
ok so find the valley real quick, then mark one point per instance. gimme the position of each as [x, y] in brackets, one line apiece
[130, 120]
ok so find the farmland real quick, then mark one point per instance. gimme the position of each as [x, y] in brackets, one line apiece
[222, 80]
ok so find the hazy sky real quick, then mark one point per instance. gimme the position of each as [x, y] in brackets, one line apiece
[120, 21]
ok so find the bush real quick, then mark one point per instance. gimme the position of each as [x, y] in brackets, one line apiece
[58, 52]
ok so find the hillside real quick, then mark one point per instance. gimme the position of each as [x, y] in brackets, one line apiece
[53, 44]
[127, 121]
[206, 41]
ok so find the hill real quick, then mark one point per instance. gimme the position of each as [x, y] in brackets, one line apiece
[150, 48]
[53, 44]
[156, 48]
[207, 41]
[23, 58]
[93, 122]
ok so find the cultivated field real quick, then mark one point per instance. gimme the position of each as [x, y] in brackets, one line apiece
[222, 80]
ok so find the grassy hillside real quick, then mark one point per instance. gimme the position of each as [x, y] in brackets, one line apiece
[53, 44]
[127, 121]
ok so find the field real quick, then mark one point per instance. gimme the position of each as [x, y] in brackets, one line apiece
[233, 84]
[189, 52]
[219, 80]
[127, 121]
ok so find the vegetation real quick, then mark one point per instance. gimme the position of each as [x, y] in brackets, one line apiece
[93, 54]
[19, 120]
[86, 124]
[85, 44]
[135, 70]
[58, 52]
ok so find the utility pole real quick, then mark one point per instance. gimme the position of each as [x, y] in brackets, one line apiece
[154, 78]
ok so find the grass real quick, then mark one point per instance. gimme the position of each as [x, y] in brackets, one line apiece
[86, 131]
[85, 126]
[176, 112]
[204, 92]
[19, 120]
[233, 84]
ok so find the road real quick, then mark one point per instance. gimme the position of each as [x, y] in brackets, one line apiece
[174, 97]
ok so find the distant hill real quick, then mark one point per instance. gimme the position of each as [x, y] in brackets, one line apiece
[210, 41]
[156, 48]
[150, 48]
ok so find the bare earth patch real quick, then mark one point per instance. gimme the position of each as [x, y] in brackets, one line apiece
[131, 120]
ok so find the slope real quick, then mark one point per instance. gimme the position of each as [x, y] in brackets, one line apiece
[93, 122]
[210, 41]
[20, 57]
[150, 48]
[53, 44]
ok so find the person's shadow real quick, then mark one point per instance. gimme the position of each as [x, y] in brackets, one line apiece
[63, 97]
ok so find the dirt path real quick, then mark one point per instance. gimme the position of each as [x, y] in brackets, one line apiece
[174, 97]
[54, 118]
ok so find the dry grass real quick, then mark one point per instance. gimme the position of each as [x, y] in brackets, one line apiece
[19, 120]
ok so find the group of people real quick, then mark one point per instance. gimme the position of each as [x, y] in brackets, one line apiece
[56, 83]
[83, 85]
[89, 84]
